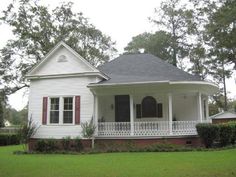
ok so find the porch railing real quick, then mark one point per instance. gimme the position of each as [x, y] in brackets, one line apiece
[184, 127]
[157, 128]
[154, 128]
[114, 128]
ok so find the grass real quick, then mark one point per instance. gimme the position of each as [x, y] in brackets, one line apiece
[174, 164]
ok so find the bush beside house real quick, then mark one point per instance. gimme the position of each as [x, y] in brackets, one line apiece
[224, 134]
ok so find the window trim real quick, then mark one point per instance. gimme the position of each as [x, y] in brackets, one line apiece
[61, 109]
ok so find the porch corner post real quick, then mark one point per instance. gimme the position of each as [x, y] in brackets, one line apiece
[200, 106]
[131, 102]
[96, 114]
[207, 108]
[170, 113]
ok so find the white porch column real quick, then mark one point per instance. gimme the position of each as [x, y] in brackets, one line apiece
[96, 114]
[170, 112]
[199, 100]
[207, 108]
[131, 103]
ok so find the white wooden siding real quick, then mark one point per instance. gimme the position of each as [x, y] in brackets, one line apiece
[185, 107]
[60, 87]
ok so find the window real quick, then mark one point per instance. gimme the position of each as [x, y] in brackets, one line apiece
[54, 110]
[149, 107]
[61, 110]
[68, 110]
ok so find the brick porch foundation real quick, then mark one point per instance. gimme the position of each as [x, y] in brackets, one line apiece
[193, 141]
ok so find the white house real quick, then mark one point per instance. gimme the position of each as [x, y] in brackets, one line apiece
[133, 96]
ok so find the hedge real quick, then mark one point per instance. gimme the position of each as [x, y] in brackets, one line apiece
[224, 133]
[232, 124]
[9, 139]
[208, 133]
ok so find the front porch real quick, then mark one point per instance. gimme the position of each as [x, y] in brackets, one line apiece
[158, 112]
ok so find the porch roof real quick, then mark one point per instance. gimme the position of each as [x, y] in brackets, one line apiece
[133, 68]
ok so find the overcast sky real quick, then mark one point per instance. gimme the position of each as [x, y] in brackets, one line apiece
[120, 19]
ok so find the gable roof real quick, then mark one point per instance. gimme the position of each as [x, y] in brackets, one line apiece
[53, 50]
[224, 115]
[134, 68]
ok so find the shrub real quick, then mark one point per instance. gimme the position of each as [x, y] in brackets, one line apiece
[46, 145]
[78, 144]
[27, 131]
[225, 134]
[88, 130]
[208, 133]
[41, 146]
[9, 139]
[232, 124]
[66, 143]
[51, 145]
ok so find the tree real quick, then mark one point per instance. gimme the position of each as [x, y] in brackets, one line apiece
[221, 30]
[215, 21]
[220, 37]
[175, 19]
[2, 107]
[197, 56]
[156, 44]
[16, 117]
[37, 29]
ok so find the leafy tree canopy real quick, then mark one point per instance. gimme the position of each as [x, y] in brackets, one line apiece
[174, 18]
[37, 29]
[156, 44]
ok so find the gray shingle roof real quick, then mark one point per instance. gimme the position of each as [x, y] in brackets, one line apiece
[224, 115]
[142, 68]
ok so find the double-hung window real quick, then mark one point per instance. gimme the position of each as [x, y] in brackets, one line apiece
[61, 110]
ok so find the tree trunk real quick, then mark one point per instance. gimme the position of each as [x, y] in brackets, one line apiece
[225, 93]
[93, 139]
[174, 57]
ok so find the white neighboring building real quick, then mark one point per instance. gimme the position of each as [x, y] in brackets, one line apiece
[7, 123]
[133, 96]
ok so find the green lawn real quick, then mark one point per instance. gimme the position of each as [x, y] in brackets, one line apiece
[174, 164]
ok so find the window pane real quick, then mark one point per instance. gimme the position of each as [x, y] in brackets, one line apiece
[54, 117]
[68, 103]
[54, 104]
[67, 116]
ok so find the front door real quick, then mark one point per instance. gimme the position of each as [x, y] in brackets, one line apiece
[122, 109]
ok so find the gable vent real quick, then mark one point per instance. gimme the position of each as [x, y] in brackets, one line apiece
[62, 58]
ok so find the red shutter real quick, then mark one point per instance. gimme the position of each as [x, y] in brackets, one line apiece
[45, 112]
[77, 110]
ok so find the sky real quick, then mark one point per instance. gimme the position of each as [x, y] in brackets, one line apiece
[120, 19]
